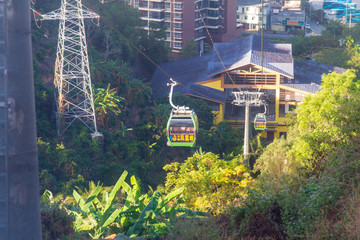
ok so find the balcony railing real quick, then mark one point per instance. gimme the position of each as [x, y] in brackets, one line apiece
[250, 79]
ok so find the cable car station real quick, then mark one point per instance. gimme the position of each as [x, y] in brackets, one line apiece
[283, 82]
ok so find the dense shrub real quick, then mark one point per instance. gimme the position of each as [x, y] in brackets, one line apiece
[221, 140]
[194, 229]
[211, 184]
[327, 120]
[56, 224]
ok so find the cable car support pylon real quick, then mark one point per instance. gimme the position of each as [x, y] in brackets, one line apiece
[248, 99]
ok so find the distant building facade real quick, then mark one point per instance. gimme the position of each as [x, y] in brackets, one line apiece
[250, 14]
[292, 4]
[285, 20]
[183, 20]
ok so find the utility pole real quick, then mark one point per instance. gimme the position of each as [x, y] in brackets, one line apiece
[350, 21]
[262, 36]
[72, 80]
[247, 99]
[19, 174]
[148, 15]
[246, 132]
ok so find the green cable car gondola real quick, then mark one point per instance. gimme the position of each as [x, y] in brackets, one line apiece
[182, 126]
[260, 121]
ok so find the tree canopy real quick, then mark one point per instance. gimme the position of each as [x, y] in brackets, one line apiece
[326, 120]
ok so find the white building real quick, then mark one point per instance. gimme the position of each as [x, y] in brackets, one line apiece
[250, 16]
[292, 4]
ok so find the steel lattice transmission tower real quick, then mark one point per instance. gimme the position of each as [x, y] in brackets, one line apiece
[72, 73]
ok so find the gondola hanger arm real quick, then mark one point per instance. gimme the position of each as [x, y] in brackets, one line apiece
[177, 109]
[264, 107]
[172, 85]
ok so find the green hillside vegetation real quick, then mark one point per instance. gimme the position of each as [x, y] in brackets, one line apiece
[305, 186]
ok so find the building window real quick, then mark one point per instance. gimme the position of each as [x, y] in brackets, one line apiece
[283, 134]
[213, 13]
[178, 6]
[167, 24]
[177, 16]
[167, 15]
[213, 4]
[178, 35]
[243, 10]
[270, 136]
[167, 5]
[167, 34]
[246, 17]
[214, 106]
[177, 44]
[177, 25]
[285, 109]
[167, 43]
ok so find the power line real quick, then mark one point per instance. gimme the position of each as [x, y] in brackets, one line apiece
[212, 41]
[145, 55]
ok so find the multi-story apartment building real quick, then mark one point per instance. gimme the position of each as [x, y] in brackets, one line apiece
[250, 14]
[184, 20]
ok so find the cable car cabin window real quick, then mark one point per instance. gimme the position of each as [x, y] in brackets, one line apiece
[181, 122]
[182, 130]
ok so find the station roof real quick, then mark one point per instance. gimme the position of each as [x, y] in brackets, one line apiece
[311, 71]
[305, 75]
[310, 88]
